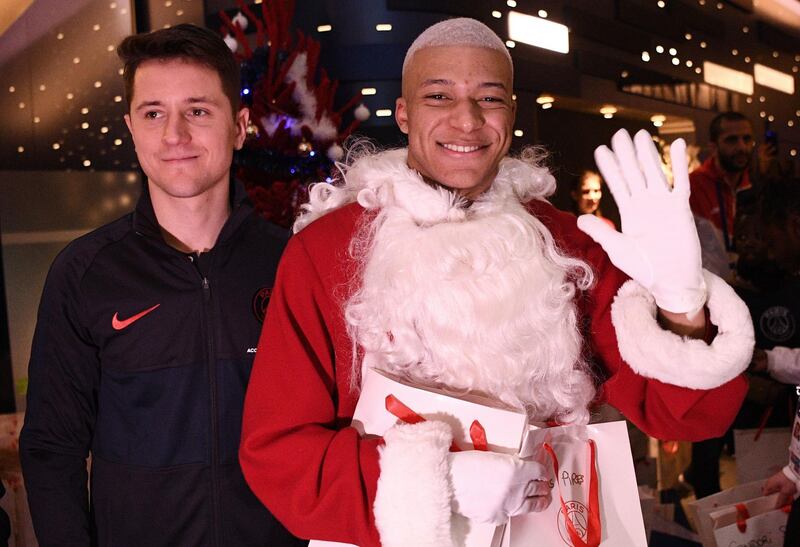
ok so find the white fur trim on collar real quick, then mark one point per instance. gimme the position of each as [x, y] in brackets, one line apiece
[656, 353]
[412, 504]
[383, 179]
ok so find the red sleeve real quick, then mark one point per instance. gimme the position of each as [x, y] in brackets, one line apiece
[317, 476]
[701, 201]
[661, 410]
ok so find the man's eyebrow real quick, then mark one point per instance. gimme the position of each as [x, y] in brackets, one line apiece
[146, 104]
[201, 99]
[189, 100]
[442, 81]
[437, 81]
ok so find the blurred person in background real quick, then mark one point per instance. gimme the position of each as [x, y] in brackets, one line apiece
[586, 194]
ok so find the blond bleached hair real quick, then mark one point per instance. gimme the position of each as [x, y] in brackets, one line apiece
[461, 31]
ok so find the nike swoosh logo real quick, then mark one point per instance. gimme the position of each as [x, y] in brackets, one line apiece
[121, 324]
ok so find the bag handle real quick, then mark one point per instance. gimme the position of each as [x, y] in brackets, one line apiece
[476, 431]
[594, 526]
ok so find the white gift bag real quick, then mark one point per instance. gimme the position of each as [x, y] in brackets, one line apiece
[384, 401]
[595, 496]
[752, 522]
[760, 453]
[700, 510]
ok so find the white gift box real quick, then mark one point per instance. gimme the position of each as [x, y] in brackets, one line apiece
[620, 511]
[504, 428]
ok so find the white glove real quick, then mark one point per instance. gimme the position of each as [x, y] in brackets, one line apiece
[490, 487]
[658, 246]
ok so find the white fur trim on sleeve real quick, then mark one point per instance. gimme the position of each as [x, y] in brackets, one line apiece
[412, 504]
[662, 355]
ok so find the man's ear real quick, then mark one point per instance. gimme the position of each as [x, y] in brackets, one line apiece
[241, 121]
[401, 114]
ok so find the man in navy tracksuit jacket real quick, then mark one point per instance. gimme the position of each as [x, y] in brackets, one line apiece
[148, 327]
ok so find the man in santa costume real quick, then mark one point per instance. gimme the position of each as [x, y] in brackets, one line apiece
[444, 264]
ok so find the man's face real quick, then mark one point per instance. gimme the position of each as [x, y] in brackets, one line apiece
[590, 193]
[734, 147]
[458, 114]
[183, 127]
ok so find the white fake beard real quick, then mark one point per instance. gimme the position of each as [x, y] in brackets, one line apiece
[480, 302]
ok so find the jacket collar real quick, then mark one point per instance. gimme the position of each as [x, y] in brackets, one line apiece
[146, 223]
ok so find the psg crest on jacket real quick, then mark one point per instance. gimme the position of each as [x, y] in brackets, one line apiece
[260, 301]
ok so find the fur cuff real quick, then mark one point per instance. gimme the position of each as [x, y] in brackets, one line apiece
[412, 504]
[656, 353]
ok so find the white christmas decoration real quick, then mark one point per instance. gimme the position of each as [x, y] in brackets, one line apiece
[335, 152]
[361, 112]
[240, 20]
[323, 129]
[231, 42]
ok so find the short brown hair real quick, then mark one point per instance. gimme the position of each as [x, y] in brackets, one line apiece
[184, 41]
[715, 129]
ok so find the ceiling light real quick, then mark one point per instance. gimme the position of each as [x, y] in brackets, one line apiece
[383, 112]
[324, 28]
[544, 99]
[538, 32]
[726, 77]
[775, 79]
[383, 27]
[545, 106]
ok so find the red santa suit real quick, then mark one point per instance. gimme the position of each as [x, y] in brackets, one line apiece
[323, 481]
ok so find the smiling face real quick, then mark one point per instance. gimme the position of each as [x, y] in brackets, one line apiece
[183, 128]
[458, 114]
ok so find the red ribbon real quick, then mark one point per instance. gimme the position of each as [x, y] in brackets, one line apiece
[476, 431]
[593, 528]
[742, 514]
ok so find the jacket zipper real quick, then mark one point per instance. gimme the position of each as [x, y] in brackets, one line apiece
[212, 382]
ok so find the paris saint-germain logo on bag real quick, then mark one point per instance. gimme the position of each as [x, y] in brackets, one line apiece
[577, 513]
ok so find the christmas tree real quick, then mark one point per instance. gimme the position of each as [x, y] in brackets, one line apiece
[295, 134]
